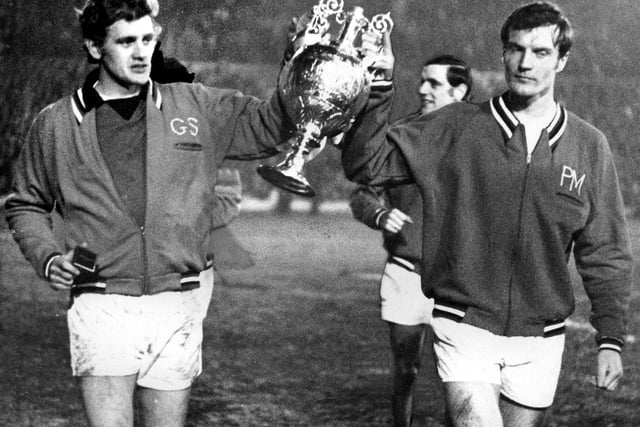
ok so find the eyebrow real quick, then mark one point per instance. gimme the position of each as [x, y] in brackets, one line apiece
[432, 81]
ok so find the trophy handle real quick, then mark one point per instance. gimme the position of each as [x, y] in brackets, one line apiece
[288, 174]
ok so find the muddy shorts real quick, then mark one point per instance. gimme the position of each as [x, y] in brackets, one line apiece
[156, 337]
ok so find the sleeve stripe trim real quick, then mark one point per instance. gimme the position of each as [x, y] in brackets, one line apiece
[609, 346]
[47, 263]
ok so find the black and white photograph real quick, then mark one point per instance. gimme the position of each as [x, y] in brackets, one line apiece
[323, 213]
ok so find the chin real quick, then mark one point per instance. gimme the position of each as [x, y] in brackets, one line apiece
[523, 91]
[139, 79]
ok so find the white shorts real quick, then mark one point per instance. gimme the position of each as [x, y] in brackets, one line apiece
[156, 337]
[526, 368]
[401, 297]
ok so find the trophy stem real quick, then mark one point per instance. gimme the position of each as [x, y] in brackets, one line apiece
[288, 174]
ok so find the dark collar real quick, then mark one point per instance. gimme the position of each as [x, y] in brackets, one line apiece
[87, 98]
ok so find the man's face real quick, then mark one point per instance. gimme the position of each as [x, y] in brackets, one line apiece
[435, 90]
[125, 56]
[531, 62]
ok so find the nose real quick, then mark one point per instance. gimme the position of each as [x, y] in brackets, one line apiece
[526, 59]
[141, 49]
[425, 89]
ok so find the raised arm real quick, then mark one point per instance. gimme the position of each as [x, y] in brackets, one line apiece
[369, 155]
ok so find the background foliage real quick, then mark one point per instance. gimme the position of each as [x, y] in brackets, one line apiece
[238, 43]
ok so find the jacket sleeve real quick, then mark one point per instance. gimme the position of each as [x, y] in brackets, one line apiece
[32, 199]
[370, 154]
[247, 128]
[603, 258]
[367, 206]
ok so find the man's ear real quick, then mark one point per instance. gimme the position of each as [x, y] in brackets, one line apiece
[458, 92]
[93, 49]
[562, 62]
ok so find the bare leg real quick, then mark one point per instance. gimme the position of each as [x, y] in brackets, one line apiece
[473, 404]
[515, 415]
[406, 345]
[108, 401]
[161, 408]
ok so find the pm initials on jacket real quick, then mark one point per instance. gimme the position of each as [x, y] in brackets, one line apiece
[569, 179]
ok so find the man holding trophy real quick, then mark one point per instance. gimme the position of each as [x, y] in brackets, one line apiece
[510, 188]
[131, 165]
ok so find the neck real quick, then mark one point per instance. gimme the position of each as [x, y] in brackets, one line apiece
[111, 88]
[532, 109]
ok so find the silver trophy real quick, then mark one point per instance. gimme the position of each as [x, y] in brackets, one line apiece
[323, 87]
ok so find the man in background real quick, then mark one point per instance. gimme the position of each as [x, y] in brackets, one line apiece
[397, 211]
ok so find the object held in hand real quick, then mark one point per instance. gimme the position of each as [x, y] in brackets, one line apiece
[84, 259]
[323, 87]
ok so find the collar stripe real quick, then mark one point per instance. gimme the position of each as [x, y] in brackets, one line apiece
[77, 105]
[557, 130]
[155, 94]
[508, 131]
[512, 117]
[508, 121]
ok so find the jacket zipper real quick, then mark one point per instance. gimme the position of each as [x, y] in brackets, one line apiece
[516, 249]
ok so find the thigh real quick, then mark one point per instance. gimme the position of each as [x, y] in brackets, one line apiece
[407, 341]
[473, 404]
[108, 400]
[515, 415]
[160, 408]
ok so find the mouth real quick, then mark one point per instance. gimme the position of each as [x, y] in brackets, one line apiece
[139, 68]
[524, 79]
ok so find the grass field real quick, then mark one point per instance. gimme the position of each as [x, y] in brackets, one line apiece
[295, 340]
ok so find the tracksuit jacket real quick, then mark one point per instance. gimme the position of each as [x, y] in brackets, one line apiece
[191, 129]
[499, 226]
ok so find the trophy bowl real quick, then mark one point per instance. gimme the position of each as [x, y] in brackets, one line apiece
[323, 87]
[322, 90]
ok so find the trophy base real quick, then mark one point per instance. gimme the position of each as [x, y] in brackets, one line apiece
[294, 184]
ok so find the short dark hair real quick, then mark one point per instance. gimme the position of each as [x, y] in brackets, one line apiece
[98, 15]
[540, 14]
[457, 73]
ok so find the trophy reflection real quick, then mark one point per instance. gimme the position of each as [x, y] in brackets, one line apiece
[323, 87]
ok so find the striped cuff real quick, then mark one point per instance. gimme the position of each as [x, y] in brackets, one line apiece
[377, 215]
[47, 264]
[610, 343]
